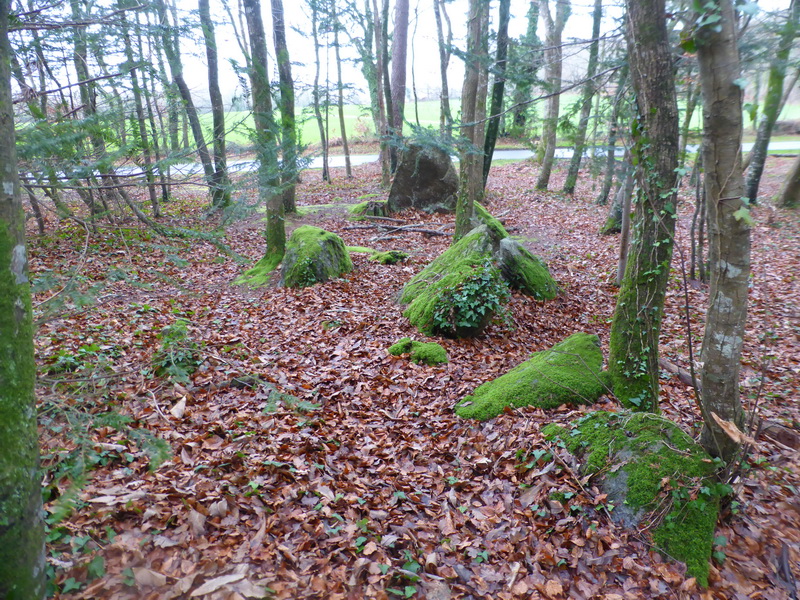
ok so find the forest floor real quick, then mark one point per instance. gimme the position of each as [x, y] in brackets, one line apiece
[361, 482]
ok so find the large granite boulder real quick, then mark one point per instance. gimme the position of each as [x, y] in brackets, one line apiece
[313, 255]
[425, 179]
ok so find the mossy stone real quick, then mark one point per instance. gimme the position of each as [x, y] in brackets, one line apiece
[568, 373]
[375, 208]
[313, 255]
[648, 463]
[390, 257]
[481, 216]
[427, 353]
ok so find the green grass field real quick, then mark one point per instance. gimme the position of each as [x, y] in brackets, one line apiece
[359, 122]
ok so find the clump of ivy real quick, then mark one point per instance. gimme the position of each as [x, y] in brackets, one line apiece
[178, 355]
[656, 475]
[467, 307]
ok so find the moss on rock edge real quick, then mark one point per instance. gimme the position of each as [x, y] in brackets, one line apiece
[428, 353]
[657, 464]
[314, 255]
[569, 372]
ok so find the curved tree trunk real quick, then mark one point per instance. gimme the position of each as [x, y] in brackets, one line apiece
[22, 560]
[633, 358]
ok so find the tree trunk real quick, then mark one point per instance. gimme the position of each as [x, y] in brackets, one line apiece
[728, 228]
[383, 131]
[772, 101]
[221, 184]
[340, 89]
[589, 88]
[790, 193]
[553, 70]
[445, 116]
[288, 126]
[531, 63]
[176, 67]
[22, 558]
[323, 137]
[399, 54]
[473, 111]
[498, 87]
[613, 121]
[266, 143]
[633, 359]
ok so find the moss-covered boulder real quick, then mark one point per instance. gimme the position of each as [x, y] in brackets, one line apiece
[655, 475]
[373, 208]
[481, 216]
[427, 353]
[459, 292]
[425, 179]
[568, 373]
[389, 257]
[313, 255]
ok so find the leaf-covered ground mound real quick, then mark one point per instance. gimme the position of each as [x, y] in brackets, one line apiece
[351, 477]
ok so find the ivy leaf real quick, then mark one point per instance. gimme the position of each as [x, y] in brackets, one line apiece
[743, 214]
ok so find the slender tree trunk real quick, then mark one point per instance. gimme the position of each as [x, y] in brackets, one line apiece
[445, 42]
[790, 193]
[728, 229]
[288, 127]
[316, 94]
[613, 121]
[772, 101]
[383, 131]
[22, 558]
[501, 60]
[633, 359]
[176, 67]
[340, 89]
[399, 54]
[589, 88]
[692, 96]
[553, 69]
[473, 111]
[221, 184]
[266, 143]
[531, 50]
[140, 117]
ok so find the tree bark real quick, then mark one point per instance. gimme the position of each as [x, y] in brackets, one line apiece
[288, 125]
[772, 101]
[266, 142]
[340, 89]
[531, 62]
[553, 69]
[611, 145]
[500, 62]
[221, 184]
[399, 54]
[728, 228]
[589, 88]
[22, 558]
[790, 193]
[445, 116]
[473, 111]
[633, 360]
[383, 131]
[316, 95]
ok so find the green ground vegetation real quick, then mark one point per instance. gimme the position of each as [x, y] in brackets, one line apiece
[571, 372]
[427, 353]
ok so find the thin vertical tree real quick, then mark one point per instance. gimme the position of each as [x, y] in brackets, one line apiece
[399, 59]
[316, 93]
[220, 182]
[383, 129]
[445, 43]
[635, 328]
[728, 226]
[587, 93]
[498, 88]
[340, 89]
[473, 111]
[22, 559]
[288, 125]
[553, 71]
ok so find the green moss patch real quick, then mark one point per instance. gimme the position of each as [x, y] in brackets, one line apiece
[360, 249]
[390, 257]
[656, 476]
[374, 208]
[427, 353]
[525, 272]
[481, 216]
[261, 273]
[568, 373]
[314, 255]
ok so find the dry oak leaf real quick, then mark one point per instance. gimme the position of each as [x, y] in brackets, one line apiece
[732, 431]
[212, 585]
[553, 588]
[148, 578]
